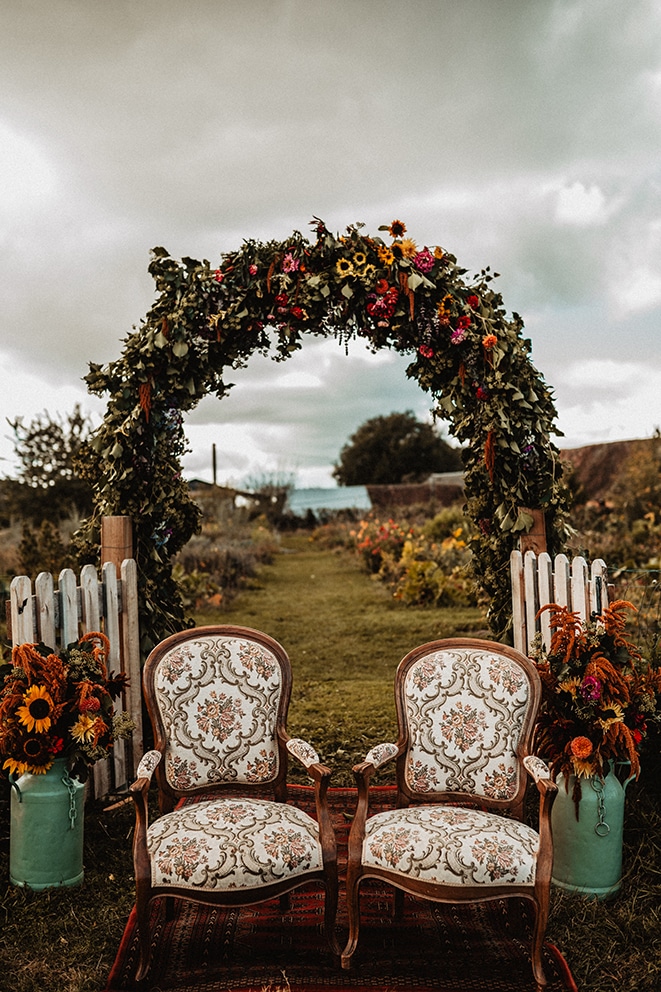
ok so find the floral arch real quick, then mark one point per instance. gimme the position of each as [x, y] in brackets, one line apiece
[264, 297]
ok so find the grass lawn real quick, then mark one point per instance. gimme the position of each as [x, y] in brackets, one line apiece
[345, 636]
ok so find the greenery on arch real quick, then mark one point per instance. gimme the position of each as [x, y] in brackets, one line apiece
[265, 297]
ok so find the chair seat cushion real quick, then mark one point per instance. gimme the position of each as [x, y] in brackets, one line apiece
[233, 843]
[451, 845]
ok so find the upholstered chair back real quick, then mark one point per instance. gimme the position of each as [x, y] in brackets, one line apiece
[464, 709]
[217, 699]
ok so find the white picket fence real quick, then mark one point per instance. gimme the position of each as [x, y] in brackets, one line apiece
[538, 580]
[59, 616]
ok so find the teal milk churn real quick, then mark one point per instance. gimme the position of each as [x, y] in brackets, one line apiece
[587, 853]
[46, 829]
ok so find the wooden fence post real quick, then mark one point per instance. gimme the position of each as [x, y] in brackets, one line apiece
[535, 538]
[116, 540]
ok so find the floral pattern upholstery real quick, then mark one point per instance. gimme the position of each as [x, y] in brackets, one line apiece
[218, 697]
[228, 844]
[536, 767]
[465, 708]
[305, 753]
[450, 845]
[381, 753]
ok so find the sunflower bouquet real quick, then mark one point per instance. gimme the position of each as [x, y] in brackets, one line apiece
[59, 706]
[598, 696]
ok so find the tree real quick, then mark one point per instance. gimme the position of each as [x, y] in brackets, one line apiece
[49, 484]
[393, 449]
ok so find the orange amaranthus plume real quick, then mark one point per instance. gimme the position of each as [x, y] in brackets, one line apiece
[568, 636]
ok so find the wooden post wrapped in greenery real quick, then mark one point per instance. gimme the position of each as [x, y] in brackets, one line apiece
[465, 352]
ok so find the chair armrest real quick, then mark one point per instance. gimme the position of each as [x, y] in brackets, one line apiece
[146, 768]
[303, 751]
[321, 774]
[540, 773]
[381, 754]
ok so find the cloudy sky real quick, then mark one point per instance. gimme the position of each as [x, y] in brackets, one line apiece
[517, 134]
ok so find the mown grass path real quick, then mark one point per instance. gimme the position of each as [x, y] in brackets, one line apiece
[345, 635]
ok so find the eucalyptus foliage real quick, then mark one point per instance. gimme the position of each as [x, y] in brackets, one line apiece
[265, 297]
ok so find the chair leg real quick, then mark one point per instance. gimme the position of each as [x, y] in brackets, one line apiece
[353, 912]
[541, 917]
[142, 909]
[330, 913]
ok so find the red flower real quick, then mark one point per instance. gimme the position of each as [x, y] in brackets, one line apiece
[464, 322]
[296, 312]
[218, 275]
[426, 351]
[282, 299]
[473, 302]
[382, 286]
[482, 393]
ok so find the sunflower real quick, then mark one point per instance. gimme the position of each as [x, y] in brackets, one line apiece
[570, 685]
[610, 714]
[344, 267]
[397, 229]
[32, 753]
[408, 248]
[386, 257]
[359, 259]
[37, 709]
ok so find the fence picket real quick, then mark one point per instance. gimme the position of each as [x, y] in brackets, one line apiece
[22, 615]
[46, 612]
[63, 614]
[537, 580]
[68, 607]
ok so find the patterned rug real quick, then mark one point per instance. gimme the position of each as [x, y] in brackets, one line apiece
[480, 948]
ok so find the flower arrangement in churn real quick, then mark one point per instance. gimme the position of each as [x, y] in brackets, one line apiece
[598, 696]
[60, 706]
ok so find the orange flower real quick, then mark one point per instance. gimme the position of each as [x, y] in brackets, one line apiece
[397, 228]
[489, 341]
[581, 747]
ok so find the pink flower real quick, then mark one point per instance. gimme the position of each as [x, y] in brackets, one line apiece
[426, 351]
[424, 260]
[457, 336]
[289, 263]
[590, 689]
[252, 269]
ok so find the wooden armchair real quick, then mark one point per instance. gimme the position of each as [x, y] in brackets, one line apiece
[218, 698]
[466, 711]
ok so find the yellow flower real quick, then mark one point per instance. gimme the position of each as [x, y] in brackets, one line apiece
[386, 257]
[35, 714]
[612, 713]
[15, 767]
[397, 228]
[344, 267]
[408, 247]
[359, 259]
[83, 728]
[584, 769]
[570, 685]
[369, 271]
[438, 253]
